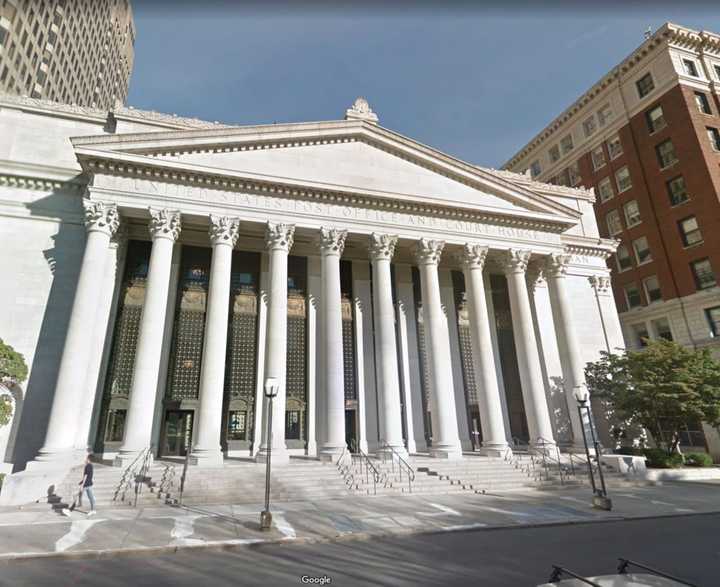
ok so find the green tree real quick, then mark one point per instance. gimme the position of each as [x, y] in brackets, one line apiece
[663, 387]
[12, 370]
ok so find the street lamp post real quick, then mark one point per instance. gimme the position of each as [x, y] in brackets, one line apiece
[600, 499]
[272, 386]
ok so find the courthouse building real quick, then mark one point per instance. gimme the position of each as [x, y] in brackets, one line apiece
[159, 270]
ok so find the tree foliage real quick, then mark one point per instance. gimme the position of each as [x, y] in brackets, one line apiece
[662, 388]
[12, 370]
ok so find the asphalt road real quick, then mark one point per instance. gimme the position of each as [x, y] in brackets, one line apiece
[686, 546]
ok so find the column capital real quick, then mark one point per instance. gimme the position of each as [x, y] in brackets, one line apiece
[515, 261]
[473, 256]
[101, 217]
[428, 252]
[556, 264]
[535, 276]
[600, 283]
[382, 246]
[331, 241]
[164, 223]
[224, 230]
[279, 236]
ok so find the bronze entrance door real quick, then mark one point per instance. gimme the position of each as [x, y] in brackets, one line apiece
[351, 439]
[177, 437]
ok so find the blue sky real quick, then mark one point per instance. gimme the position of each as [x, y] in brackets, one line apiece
[476, 80]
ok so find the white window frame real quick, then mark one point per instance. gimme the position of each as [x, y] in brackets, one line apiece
[610, 141]
[564, 142]
[713, 135]
[613, 213]
[714, 331]
[604, 114]
[684, 233]
[533, 165]
[652, 85]
[702, 97]
[647, 291]
[666, 164]
[605, 181]
[627, 296]
[688, 63]
[658, 124]
[595, 163]
[629, 257]
[620, 189]
[589, 126]
[649, 257]
[554, 149]
[628, 222]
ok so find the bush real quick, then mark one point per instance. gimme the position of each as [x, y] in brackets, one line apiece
[658, 458]
[630, 450]
[2, 477]
[698, 459]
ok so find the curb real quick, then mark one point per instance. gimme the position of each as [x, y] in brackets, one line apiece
[221, 545]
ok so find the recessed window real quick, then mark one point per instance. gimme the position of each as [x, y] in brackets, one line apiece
[713, 316]
[661, 326]
[652, 289]
[642, 250]
[714, 136]
[703, 274]
[605, 189]
[535, 168]
[624, 259]
[554, 153]
[632, 213]
[645, 85]
[604, 115]
[624, 181]
[666, 154]
[632, 295]
[640, 334]
[655, 119]
[702, 103]
[597, 156]
[237, 425]
[690, 67]
[690, 231]
[614, 147]
[115, 426]
[566, 144]
[717, 71]
[574, 173]
[292, 424]
[589, 126]
[614, 223]
[677, 191]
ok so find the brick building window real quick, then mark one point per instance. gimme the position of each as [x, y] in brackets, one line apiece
[624, 181]
[624, 260]
[574, 173]
[662, 328]
[604, 115]
[703, 274]
[645, 85]
[677, 190]
[597, 156]
[605, 189]
[642, 250]
[614, 147]
[666, 154]
[655, 119]
[690, 231]
[652, 289]
[632, 213]
[714, 136]
[566, 144]
[702, 103]
[713, 317]
[640, 334]
[554, 153]
[614, 223]
[632, 295]
[690, 67]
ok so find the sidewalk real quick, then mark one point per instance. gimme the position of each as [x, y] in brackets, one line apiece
[39, 532]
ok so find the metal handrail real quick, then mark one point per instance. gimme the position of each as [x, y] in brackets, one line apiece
[529, 469]
[365, 462]
[183, 477]
[547, 456]
[402, 464]
[142, 474]
[128, 475]
[558, 571]
[626, 562]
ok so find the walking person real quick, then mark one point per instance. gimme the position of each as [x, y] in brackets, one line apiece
[86, 487]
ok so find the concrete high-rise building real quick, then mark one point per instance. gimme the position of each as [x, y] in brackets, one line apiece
[646, 137]
[78, 52]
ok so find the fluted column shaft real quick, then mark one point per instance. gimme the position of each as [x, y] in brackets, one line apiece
[490, 406]
[331, 244]
[101, 221]
[206, 450]
[278, 241]
[445, 438]
[164, 230]
[528, 358]
[382, 248]
[571, 363]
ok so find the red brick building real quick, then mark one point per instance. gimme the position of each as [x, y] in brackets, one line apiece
[646, 137]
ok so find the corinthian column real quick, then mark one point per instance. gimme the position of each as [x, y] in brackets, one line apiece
[382, 248]
[101, 222]
[164, 230]
[515, 264]
[445, 439]
[571, 362]
[223, 236]
[491, 416]
[331, 244]
[278, 241]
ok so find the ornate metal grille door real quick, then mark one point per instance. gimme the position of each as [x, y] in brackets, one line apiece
[422, 354]
[296, 406]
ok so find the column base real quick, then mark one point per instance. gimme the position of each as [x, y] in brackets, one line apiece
[125, 458]
[399, 450]
[330, 454]
[279, 456]
[545, 447]
[495, 450]
[450, 453]
[207, 458]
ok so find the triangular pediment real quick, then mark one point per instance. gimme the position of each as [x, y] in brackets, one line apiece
[349, 157]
